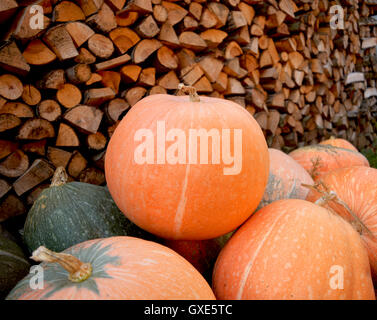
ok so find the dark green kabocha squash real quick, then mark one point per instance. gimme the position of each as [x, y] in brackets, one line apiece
[13, 265]
[66, 214]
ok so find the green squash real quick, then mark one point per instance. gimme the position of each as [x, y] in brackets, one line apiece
[66, 214]
[13, 265]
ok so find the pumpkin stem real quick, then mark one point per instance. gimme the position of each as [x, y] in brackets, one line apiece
[78, 271]
[328, 196]
[60, 177]
[191, 91]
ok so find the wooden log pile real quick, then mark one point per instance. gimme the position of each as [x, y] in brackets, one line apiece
[69, 75]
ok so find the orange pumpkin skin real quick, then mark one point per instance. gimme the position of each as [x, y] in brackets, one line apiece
[340, 143]
[319, 159]
[288, 250]
[285, 179]
[124, 268]
[186, 201]
[357, 188]
[202, 254]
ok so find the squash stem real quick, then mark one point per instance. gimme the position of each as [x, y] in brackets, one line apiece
[191, 91]
[328, 196]
[78, 271]
[60, 177]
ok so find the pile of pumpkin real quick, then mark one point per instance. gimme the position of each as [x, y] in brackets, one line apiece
[297, 226]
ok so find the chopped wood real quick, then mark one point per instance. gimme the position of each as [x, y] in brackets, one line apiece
[12, 60]
[96, 141]
[58, 157]
[49, 110]
[10, 87]
[7, 9]
[147, 77]
[37, 53]
[141, 6]
[31, 95]
[115, 108]
[67, 11]
[78, 73]
[36, 129]
[128, 18]
[6, 148]
[168, 35]
[113, 63]
[169, 81]
[175, 12]
[101, 46]
[5, 187]
[77, 164]
[351, 77]
[18, 109]
[166, 59]
[213, 37]
[134, 94]
[69, 95]
[98, 96]
[59, 40]
[147, 28]
[11, 207]
[144, 49]
[124, 38]
[8, 121]
[130, 73]
[14, 165]
[110, 79]
[55, 79]
[38, 172]
[103, 21]
[67, 137]
[35, 147]
[79, 32]
[93, 176]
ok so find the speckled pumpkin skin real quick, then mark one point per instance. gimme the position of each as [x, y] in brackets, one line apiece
[285, 179]
[287, 251]
[66, 215]
[124, 268]
[319, 159]
[357, 187]
[340, 143]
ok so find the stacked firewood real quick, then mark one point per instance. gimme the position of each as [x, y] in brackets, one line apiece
[71, 71]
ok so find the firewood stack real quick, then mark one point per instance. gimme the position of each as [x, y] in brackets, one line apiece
[65, 85]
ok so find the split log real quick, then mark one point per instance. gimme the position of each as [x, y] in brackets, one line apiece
[69, 95]
[38, 172]
[49, 110]
[14, 165]
[36, 129]
[67, 137]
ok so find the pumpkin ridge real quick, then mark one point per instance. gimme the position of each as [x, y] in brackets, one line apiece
[246, 273]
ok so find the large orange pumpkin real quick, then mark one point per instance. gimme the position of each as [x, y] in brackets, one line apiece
[286, 179]
[319, 159]
[173, 189]
[338, 142]
[117, 268]
[293, 249]
[352, 193]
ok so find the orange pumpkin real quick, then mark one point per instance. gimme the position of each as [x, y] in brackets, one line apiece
[340, 143]
[117, 268]
[285, 179]
[319, 159]
[202, 254]
[352, 193]
[183, 188]
[293, 249]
